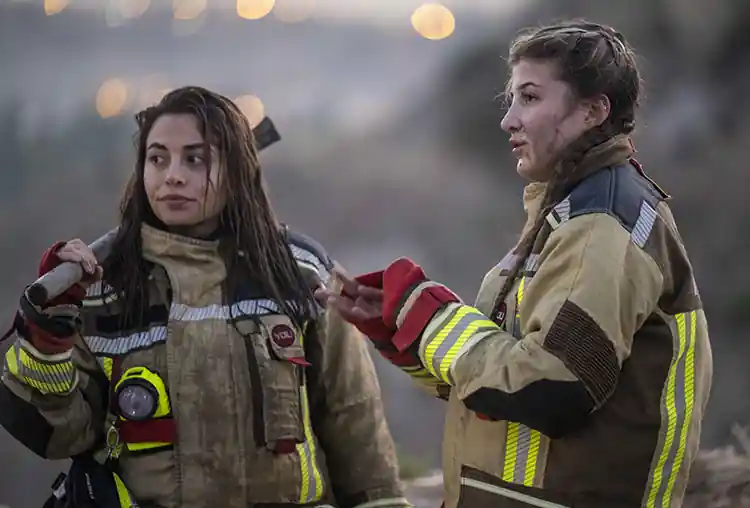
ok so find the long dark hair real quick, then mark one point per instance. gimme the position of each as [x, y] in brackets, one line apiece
[252, 242]
[593, 60]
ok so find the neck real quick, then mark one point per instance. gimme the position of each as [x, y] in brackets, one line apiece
[206, 230]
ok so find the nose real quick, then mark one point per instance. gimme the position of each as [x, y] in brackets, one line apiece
[510, 122]
[175, 174]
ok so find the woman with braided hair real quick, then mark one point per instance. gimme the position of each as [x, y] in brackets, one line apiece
[580, 375]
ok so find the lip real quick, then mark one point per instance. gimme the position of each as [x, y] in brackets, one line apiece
[175, 198]
[516, 145]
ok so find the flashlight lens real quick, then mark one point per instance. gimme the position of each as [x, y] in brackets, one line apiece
[136, 402]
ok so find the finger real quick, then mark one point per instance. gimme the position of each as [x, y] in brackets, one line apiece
[69, 255]
[321, 296]
[91, 277]
[362, 314]
[365, 305]
[351, 286]
[370, 292]
[344, 308]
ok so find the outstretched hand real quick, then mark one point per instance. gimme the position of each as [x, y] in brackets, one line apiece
[356, 303]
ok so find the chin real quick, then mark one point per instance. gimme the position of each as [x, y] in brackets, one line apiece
[173, 220]
[531, 172]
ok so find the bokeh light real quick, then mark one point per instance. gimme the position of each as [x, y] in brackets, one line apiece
[433, 21]
[252, 107]
[52, 7]
[254, 9]
[112, 98]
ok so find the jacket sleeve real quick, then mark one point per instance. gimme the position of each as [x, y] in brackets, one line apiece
[594, 289]
[349, 420]
[55, 405]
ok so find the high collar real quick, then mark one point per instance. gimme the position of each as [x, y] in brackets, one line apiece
[614, 151]
[162, 244]
[195, 267]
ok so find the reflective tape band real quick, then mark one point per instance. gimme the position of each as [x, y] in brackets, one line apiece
[49, 374]
[312, 480]
[444, 345]
[523, 445]
[521, 454]
[678, 399]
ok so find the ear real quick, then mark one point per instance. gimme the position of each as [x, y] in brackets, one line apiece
[598, 111]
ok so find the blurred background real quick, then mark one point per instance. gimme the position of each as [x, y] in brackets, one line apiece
[391, 144]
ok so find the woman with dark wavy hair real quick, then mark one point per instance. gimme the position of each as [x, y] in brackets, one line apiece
[197, 366]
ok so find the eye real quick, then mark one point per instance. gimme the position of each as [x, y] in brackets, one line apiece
[155, 159]
[528, 97]
[195, 160]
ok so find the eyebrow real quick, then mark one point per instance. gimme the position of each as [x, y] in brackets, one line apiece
[192, 146]
[527, 84]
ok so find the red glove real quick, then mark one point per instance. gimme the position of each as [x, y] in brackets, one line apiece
[400, 280]
[41, 337]
[399, 344]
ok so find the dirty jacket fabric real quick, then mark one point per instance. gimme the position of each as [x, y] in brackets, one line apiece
[236, 394]
[586, 387]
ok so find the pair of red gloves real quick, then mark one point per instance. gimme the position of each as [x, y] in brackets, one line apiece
[399, 344]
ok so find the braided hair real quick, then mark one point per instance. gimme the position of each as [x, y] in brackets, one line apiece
[593, 60]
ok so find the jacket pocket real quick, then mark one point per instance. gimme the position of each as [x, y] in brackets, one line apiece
[483, 490]
[276, 361]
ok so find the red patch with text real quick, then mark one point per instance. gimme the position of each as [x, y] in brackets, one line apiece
[282, 335]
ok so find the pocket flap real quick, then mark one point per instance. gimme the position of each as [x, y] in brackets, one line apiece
[284, 339]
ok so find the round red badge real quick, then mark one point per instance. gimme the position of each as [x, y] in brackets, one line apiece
[282, 335]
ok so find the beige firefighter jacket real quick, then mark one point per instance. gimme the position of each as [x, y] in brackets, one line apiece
[235, 394]
[589, 388]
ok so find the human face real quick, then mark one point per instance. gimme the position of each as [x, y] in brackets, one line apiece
[184, 193]
[543, 118]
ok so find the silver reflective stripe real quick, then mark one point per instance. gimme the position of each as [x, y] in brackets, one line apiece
[532, 264]
[559, 214]
[510, 494]
[259, 307]
[303, 256]
[182, 313]
[644, 225]
[123, 345]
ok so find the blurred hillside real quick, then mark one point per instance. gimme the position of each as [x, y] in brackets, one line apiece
[391, 146]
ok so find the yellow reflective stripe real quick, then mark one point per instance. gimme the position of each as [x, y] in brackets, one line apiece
[139, 447]
[443, 349]
[106, 364]
[519, 295]
[309, 470]
[522, 444]
[678, 400]
[123, 495]
[48, 376]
